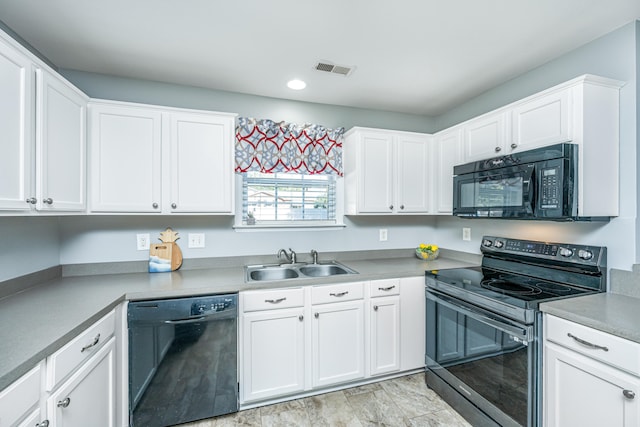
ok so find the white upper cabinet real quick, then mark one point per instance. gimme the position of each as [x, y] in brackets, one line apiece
[132, 144]
[201, 162]
[447, 153]
[60, 145]
[43, 124]
[386, 172]
[16, 119]
[541, 121]
[485, 137]
[125, 152]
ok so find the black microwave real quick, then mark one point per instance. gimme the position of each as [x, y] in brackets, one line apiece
[536, 184]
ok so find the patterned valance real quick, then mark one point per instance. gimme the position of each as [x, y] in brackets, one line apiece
[270, 147]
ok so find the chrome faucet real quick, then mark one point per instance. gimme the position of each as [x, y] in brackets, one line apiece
[289, 257]
[314, 255]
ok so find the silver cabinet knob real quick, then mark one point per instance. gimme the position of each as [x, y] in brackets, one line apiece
[31, 200]
[173, 205]
[514, 145]
[64, 403]
[44, 423]
[48, 201]
[316, 315]
[301, 318]
[391, 207]
[375, 308]
[629, 394]
[155, 206]
[498, 149]
[401, 206]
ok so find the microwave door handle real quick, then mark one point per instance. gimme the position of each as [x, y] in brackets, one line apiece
[523, 333]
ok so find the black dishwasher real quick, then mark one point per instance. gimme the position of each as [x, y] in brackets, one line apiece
[182, 359]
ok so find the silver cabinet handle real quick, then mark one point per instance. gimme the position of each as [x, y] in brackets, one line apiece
[316, 315]
[32, 200]
[514, 145]
[375, 308]
[275, 301]
[498, 149]
[629, 394]
[587, 343]
[173, 205]
[48, 201]
[93, 344]
[339, 294]
[387, 288]
[44, 423]
[301, 318]
[155, 206]
[64, 403]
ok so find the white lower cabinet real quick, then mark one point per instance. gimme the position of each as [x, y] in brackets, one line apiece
[338, 343]
[88, 396]
[274, 356]
[296, 340]
[591, 378]
[19, 403]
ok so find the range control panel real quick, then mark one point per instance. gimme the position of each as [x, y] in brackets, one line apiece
[564, 252]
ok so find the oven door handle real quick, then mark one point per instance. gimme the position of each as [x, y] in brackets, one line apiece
[524, 334]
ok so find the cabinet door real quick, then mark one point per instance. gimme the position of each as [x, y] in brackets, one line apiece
[88, 396]
[412, 323]
[412, 173]
[60, 145]
[21, 398]
[125, 145]
[272, 354]
[447, 154]
[201, 163]
[376, 173]
[337, 342]
[542, 121]
[16, 124]
[579, 391]
[485, 137]
[385, 334]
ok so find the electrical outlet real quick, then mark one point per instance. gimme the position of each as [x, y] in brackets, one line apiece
[466, 233]
[383, 234]
[143, 241]
[196, 240]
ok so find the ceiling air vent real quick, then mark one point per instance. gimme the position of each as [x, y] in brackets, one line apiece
[334, 69]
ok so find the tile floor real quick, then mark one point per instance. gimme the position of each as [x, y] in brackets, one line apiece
[404, 401]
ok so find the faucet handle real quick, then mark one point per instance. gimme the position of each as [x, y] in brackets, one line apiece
[293, 256]
[314, 255]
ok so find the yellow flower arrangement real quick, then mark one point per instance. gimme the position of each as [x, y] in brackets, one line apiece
[427, 252]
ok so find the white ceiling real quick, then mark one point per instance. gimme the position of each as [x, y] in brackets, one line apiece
[411, 56]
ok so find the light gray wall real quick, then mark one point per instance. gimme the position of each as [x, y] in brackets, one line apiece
[616, 56]
[150, 92]
[29, 244]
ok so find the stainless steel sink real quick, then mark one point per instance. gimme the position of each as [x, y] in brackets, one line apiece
[261, 273]
[322, 270]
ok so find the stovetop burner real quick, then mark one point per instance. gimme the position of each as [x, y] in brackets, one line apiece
[509, 288]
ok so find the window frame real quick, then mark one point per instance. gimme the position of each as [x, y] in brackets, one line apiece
[240, 224]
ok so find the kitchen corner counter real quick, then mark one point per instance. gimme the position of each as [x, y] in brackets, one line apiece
[38, 321]
[615, 314]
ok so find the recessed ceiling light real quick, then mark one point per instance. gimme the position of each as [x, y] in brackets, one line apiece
[296, 84]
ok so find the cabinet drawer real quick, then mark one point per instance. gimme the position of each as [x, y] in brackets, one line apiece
[273, 299]
[620, 353]
[383, 288]
[69, 357]
[337, 293]
[17, 399]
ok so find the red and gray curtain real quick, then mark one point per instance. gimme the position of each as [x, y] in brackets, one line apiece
[269, 147]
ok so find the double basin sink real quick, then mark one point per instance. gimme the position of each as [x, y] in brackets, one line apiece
[260, 273]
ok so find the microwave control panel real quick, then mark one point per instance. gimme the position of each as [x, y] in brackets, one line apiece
[550, 188]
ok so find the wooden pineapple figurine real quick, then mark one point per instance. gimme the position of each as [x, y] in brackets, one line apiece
[165, 256]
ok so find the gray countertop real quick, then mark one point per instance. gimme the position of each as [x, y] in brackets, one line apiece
[37, 322]
[616, 314]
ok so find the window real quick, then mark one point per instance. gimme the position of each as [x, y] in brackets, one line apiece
[289, 199]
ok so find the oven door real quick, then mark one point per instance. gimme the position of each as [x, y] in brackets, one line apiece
[500, 193]
[488, 360]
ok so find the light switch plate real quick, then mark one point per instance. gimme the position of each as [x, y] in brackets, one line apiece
[466, 233]
[142, 241]
[196, 240]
